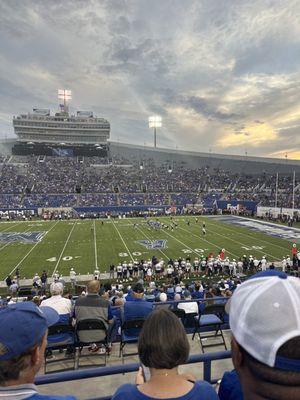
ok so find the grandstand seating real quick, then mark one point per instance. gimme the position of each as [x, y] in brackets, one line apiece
[30, 182]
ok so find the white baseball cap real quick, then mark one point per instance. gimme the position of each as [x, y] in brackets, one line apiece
[264, 313]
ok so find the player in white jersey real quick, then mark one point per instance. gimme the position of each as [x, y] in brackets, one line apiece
[188, 269]
[222, 266]
[289, 262]
[56, 276]
[96, 273]
[73, 277]
[256, 263]
[210, 266]
[124, 269]
[263, 263]
[196, 265]
[283, 264]
[226, 265]
[36, 281]
[170, 271]
[130, 269]
[149, 274]
[240, 266]
[135, 268]
[119, 272]
[203, 264]
[157, 269]
[234, 265]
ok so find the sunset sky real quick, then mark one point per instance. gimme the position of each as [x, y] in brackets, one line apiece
[223, 74]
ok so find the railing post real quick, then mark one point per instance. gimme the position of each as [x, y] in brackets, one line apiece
[207, 370]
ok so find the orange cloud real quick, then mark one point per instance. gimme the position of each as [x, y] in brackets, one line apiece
[253, 134]
[292, 154]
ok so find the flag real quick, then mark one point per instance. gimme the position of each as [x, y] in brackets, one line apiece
[294, 249]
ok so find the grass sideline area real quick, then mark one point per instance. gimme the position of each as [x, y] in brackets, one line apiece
[83, 244]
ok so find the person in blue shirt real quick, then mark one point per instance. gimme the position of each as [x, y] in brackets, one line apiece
[162, 347]
[230, 387]
[137, 307]
[23, 340]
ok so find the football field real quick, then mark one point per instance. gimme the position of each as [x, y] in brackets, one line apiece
[56, 246]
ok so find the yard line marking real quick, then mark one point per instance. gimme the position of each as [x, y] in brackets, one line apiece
[150, 239]
[207, 241]
[250, 236]
[95, 244]
[26, 255]
[188, 247]
[243, 244]
[62, 252]
[114, 225]
[9, 227]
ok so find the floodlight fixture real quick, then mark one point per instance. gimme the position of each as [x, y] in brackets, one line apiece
[65, 95]
[155, 121]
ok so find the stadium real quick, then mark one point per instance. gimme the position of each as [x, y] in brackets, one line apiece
[149, 254]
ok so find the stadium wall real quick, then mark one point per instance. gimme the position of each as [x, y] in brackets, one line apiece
[238, 204]
[123, 209]
[275, 211]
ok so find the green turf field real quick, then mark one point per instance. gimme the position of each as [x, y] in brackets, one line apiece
[85, 244]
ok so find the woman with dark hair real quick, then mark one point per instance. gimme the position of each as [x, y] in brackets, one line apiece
[163, 346]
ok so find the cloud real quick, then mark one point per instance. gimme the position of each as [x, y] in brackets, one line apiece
[254, 134]
[224, 75]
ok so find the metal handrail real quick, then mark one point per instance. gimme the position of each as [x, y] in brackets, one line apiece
[205, 358]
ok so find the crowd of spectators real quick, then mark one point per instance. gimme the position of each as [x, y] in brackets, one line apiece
[53, 181]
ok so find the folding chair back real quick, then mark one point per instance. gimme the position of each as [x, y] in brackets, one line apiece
[180, 313]
[217, 309]
[60, 337]
[91, 331]
[130, 331]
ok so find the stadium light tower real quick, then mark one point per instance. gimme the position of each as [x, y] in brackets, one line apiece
[155, 122]
[65, 95]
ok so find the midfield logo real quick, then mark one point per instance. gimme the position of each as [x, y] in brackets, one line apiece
[153, 244]
[23, 237]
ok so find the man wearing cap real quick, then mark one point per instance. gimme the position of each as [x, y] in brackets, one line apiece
[137, 307]
[23, 339]
[264, 315]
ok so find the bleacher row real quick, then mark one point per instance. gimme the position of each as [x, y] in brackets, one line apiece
[211, 317]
